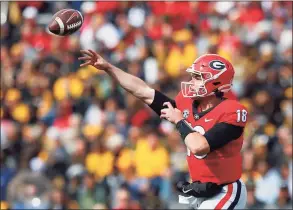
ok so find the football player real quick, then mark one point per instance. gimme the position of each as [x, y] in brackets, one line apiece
[211, 126]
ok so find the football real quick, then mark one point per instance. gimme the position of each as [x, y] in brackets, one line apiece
[65, 22]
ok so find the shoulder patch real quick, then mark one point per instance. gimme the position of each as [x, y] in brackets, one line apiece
[185, 113]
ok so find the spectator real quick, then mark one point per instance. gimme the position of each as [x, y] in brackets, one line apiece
[7, 175]
[268, 187]
[91, 192]
[103, 157]
[138, 186]
[252, 202]
[146, 150]
[58, 200]
[124, 201]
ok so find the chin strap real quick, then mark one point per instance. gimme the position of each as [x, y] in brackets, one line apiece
[219, 94]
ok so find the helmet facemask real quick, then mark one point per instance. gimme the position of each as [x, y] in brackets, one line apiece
[193, 89]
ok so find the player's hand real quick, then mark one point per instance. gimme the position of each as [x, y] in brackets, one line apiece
[92, 58]
[170, 113]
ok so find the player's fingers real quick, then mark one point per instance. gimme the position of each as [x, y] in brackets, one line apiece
[98, 62]
[165, 111]
[94, 53]
[168, 104]
[87, 52]
[84, 58]
[85, 64]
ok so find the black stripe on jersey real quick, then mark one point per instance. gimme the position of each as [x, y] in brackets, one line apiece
[221, 134]
[159, 100]
[234, 203]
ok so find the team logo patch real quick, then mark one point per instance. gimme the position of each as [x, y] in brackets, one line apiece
[217, 65]
[185, 113]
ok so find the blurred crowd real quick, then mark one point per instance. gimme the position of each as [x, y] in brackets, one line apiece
[72, 138]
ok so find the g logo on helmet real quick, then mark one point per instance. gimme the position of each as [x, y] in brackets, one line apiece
[217, 65]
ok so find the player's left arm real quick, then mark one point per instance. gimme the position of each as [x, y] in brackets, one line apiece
[229, 128]
[194, 141]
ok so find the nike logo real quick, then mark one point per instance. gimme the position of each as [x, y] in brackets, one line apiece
[186, 191]
[207, 120]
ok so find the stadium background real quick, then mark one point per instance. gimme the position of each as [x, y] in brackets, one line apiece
[71, 138]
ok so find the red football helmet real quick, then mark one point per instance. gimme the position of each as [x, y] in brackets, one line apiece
[210, 73]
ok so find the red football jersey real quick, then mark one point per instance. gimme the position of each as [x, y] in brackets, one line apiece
[223, 165]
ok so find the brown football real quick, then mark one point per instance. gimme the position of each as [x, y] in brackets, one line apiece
[65, 22]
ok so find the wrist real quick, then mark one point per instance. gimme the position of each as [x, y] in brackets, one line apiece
[109, 67]
[176, 121]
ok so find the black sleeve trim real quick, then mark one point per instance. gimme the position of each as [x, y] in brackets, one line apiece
[221, 134]
[159, 100]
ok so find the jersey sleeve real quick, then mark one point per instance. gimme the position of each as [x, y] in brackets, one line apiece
[234, 114]
[221, 134]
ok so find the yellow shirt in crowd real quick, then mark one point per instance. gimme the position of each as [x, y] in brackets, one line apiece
[100, 164]
[148, 162]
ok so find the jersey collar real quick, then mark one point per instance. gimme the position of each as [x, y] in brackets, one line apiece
[197, 115]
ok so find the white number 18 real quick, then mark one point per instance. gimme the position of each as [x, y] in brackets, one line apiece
[241, 115]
